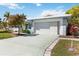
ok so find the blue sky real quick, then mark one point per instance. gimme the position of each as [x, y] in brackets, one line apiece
[35, 9]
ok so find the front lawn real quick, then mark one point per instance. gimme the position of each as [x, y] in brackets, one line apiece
[6, 34]
[61, 48]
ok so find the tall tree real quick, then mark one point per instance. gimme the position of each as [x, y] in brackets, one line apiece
[7, 14]
[0, 23]
[5, 20]
[75, 15]
[74, 22]
[17, 20]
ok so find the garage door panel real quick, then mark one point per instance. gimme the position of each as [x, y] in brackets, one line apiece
[42, 28]
[53, 28]
[46, 27]
[42, 25]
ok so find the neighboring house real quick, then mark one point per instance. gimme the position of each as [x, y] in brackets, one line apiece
[14, 28]
[50, 25]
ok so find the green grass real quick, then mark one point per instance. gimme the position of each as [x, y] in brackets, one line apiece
[61, 48]
[6, 34]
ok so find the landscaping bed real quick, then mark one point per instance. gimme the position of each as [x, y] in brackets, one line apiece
[61, 48]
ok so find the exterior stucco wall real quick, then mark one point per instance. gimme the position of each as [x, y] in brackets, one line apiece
[62, 27]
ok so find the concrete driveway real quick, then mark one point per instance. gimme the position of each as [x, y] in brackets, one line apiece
[26, 45]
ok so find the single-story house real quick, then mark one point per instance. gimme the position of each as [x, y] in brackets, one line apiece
[56, 24]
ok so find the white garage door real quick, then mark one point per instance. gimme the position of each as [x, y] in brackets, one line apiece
[46, 28]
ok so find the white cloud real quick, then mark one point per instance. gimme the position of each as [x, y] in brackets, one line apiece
[12, 5]
[59, 10]
[38, 4]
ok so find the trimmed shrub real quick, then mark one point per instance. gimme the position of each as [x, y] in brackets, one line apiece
[26, 31]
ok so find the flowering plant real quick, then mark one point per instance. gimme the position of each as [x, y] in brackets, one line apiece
[74, 30]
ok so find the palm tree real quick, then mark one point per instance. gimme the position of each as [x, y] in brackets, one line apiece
[0, 23]
[6, 15]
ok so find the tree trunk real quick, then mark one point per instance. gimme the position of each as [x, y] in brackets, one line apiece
[19, 29]
[72, 44]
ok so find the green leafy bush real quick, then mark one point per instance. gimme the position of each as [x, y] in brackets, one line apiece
[26, 31]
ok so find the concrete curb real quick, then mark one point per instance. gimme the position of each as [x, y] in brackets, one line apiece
[75, 39]
[50, 47]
